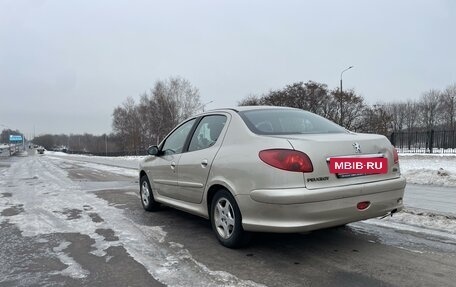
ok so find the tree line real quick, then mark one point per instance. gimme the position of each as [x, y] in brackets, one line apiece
[80, 143]
[147, 122]
[138, 124]
[435, 109]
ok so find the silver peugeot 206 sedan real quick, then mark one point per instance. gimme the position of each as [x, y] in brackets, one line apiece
[271, 169]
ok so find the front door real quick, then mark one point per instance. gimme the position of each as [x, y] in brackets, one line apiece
[163, 171]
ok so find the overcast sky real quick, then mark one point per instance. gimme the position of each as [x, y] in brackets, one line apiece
[65, 65]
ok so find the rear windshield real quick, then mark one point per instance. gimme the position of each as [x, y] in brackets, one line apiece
[283, 121]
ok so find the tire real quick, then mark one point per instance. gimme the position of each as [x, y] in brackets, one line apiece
[147, 198]
[226, 221]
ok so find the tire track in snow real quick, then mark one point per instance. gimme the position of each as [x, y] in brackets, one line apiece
[46, 192]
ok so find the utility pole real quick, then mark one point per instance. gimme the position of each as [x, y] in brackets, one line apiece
[106, 144]
[341, 96]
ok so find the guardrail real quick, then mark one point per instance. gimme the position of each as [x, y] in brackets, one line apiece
[113, 154]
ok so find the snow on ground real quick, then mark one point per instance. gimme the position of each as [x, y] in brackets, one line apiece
[423, 221]
[412, 229]
[433, 169]
[46, 211]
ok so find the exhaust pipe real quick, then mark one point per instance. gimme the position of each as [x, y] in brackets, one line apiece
[389, 214]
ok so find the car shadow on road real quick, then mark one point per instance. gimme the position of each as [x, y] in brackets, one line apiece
[298, 259]
[182, 222]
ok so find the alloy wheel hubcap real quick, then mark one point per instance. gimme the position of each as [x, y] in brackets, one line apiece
[224, 218]
[145, 193]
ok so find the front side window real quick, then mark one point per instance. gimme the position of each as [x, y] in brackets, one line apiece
[176, 141]
[288, 121]
[207, 132]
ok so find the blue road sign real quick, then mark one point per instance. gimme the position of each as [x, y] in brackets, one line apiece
[14, 138]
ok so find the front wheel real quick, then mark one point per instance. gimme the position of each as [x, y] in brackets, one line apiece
[147, 198]
[226, 220]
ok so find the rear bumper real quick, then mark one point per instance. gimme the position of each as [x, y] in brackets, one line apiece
[296, 210]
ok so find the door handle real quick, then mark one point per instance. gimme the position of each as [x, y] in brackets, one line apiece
[204, 163]
[173, 165]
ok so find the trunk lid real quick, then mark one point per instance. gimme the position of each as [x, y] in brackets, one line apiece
[320, 147]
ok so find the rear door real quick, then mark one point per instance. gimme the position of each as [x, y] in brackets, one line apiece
[195, 164]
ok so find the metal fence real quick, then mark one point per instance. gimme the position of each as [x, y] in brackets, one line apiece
[425, 141]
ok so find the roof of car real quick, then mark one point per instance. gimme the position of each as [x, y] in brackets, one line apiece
[249, 108]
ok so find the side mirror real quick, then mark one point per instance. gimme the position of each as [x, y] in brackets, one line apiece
[153, 150]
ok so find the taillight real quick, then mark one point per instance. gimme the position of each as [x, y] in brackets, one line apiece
[286, 159]
[395, 155]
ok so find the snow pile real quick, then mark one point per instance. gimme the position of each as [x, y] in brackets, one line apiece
[425, 219]
[434, 169]
[131, 162]
[434, 225]
[97, 167]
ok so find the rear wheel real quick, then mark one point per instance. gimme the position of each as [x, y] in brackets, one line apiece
[147, 198]
[226, 220]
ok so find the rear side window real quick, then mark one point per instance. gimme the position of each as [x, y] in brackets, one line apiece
[288, 121]
[207, 132]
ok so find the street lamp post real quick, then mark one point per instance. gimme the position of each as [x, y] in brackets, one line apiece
[341, 119]
[341, 77]
[203, 106]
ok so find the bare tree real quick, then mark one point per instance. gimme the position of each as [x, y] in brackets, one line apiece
[171, 102]
[376, 119]
[348, 113]
[168, 103]
[448, 101]
[250, 100]
[397, 114]
[435, 109]
[310, 96]
[127, 124]
[345, 109]
[185, 96]
[411, 115]
[429, 105]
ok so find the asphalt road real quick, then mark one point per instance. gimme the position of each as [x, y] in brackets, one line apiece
[430, 197]
[64, 223]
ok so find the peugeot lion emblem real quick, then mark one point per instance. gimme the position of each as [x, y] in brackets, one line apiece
[357, 147]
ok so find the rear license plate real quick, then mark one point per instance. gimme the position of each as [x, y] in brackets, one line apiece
[356, 166]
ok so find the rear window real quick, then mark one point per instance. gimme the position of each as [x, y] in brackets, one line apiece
[284, 121]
